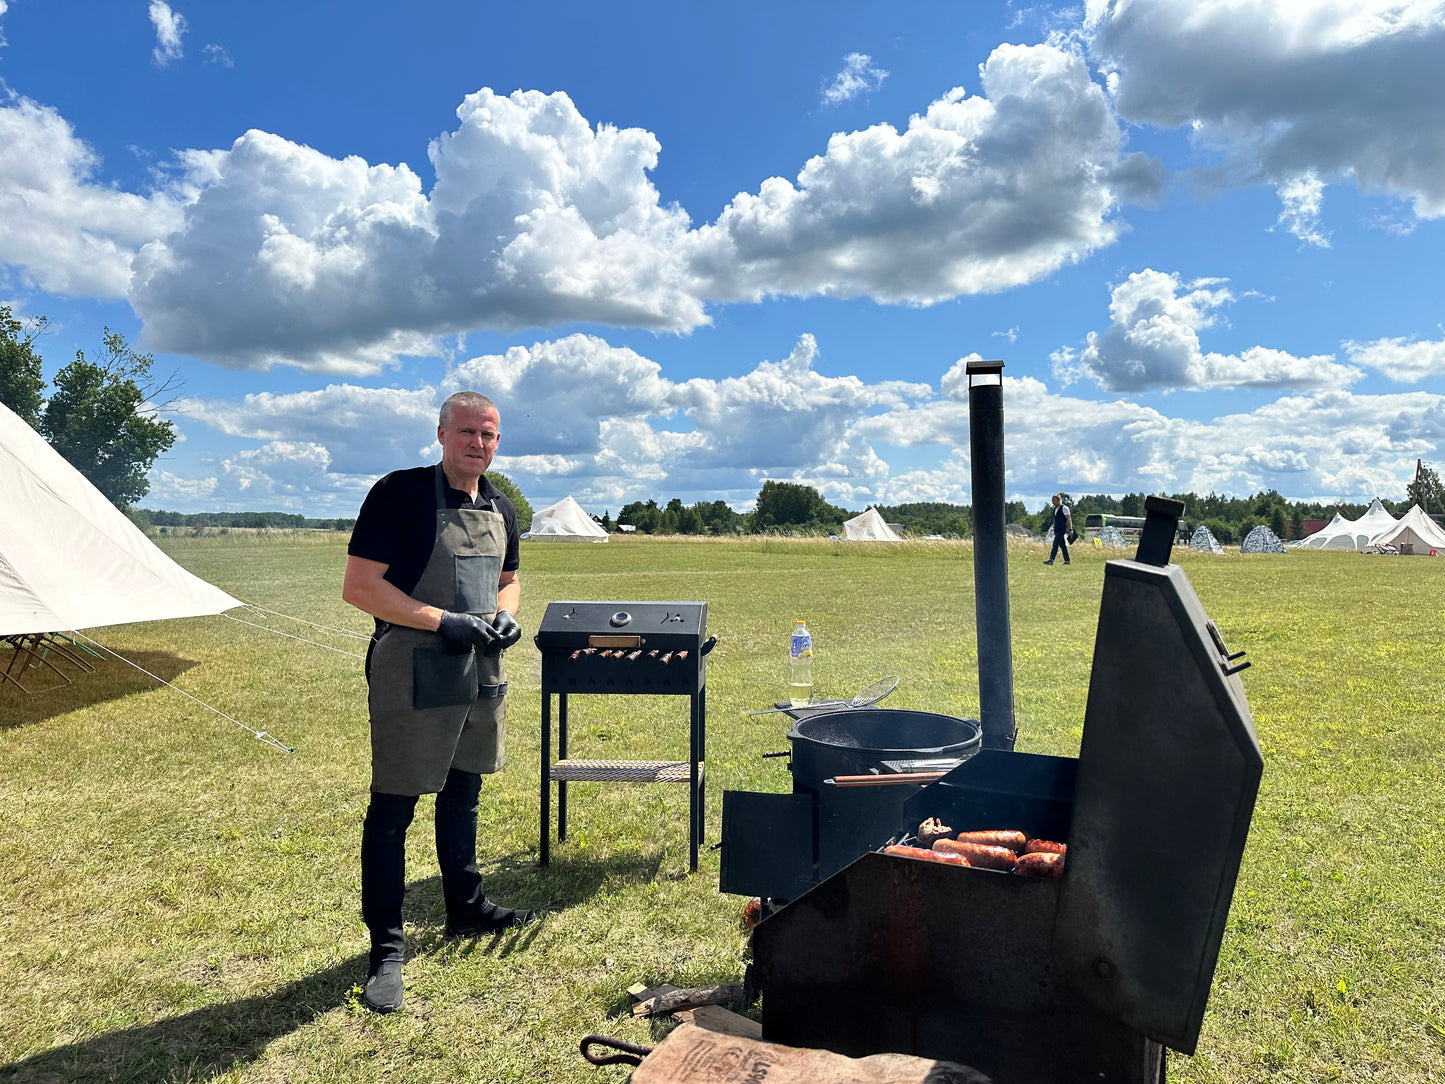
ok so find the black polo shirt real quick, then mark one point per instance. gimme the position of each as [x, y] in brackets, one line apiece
[397, 524]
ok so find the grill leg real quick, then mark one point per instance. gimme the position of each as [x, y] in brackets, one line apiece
[561, 755]
[546, 773]
[694, 784]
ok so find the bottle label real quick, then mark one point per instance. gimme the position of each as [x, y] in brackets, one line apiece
[802, 646]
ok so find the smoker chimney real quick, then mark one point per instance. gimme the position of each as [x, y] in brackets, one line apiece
[990, 555]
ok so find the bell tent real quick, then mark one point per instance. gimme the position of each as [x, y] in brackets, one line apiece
[868, 527]
[1414, 529]
[565, 521]
[69, 559]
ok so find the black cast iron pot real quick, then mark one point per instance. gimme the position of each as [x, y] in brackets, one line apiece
[855, 741]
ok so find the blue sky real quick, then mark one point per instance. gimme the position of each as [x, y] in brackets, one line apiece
[687, 249]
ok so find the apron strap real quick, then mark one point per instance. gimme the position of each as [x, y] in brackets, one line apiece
[441, 491]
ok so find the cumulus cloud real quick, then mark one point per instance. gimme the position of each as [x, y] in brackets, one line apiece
[979, 194]
[1344, 89]
[59, 227]
[859, 75]
[1405, 361]
[1153, 342]
[170, 28]
[1328, 444]
[291, 256]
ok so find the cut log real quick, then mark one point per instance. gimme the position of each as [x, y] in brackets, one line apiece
[673, 1000]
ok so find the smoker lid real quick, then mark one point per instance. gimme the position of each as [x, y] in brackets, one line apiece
[567, 620]
[1168, 771]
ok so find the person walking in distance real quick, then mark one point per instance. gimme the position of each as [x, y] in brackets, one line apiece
[1063, 524]
[434, 559]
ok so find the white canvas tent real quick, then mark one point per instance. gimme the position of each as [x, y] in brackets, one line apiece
[1414, 529]
[1376, 521]
[69, 559]
[1339, 534]
[868, 527]
[565, 521]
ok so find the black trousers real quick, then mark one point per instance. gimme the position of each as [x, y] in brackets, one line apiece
[1061, 542]
[383, 860]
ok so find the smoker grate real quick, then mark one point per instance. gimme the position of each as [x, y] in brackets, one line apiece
[622, 771]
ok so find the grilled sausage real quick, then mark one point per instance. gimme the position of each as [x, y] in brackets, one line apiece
[979, 854]
[1041, 864]
[928, 856]
[1014, 841]
[1047, 846]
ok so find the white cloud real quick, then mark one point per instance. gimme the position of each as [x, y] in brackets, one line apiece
[979, 194]
[290, 256]
[62, 230]
[1153, 342]
[1345, 89]
[1303, 199]
[1403, 360]
[859, 74]
[170, 27]
[217, 54]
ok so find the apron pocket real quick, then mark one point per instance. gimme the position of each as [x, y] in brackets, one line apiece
[477, 579]
[441, 679]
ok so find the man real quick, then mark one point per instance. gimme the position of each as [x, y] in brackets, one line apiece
[434, 559]
[1063, 524]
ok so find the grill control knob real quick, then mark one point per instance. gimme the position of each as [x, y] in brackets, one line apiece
[619, 619]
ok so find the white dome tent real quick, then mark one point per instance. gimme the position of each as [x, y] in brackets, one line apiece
[564, 521]
[868, 527]
[1339, 534]
[1414, 529]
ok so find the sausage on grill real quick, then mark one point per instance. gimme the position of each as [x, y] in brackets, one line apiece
[1014, 841]
[928, 856]
[979, 854]
[1041, 864]
[1035, 846]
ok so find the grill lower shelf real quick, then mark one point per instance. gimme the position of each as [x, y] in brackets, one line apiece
[623, 771]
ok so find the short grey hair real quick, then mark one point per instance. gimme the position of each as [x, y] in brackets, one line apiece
[473, 399]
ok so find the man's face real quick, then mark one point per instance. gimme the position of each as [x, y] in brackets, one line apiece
[469, 440]
[1057, 500]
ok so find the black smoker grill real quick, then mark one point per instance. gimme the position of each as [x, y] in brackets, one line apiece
[649, 648]
[1031, 980]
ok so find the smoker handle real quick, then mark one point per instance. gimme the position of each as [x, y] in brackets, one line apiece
[708, 645]
[633, 1053]
[784, 753]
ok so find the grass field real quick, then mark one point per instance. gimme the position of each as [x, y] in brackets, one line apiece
[180, 901]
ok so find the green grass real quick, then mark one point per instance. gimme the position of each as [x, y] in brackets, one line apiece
[178, 901]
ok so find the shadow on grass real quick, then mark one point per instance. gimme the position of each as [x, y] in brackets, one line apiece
[112, 679]
[199, 1045]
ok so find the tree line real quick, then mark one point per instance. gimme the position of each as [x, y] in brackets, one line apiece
[791, 508]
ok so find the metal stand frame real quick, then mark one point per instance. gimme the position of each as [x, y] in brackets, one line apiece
[692, 771]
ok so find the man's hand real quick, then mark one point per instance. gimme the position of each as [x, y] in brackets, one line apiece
[466, 631]
[508, 631]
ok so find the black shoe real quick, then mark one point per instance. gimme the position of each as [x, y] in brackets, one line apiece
[491, 919]
[1048, 562]
[383, 987]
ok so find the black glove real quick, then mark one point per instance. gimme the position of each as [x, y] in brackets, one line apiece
[508, 631]
[465, 631]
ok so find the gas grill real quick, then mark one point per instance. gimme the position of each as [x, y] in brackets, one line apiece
[622, 648]
[1030, 980]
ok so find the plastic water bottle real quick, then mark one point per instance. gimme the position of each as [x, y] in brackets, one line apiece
[800, 661]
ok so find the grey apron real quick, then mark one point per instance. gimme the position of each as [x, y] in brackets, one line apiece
[434, 707]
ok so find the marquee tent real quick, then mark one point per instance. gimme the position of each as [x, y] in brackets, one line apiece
[1415, 529]
[1376, 521]
[1340, 534]
[565, 522]
[868, 527]
[69, 559]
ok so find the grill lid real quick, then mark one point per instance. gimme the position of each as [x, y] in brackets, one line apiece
[1168, 771]
[660, 624]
